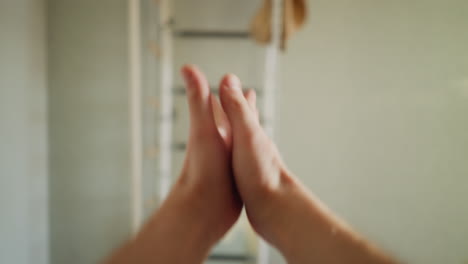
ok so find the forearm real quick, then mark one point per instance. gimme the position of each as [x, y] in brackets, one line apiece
[307, 232]
[173, 234]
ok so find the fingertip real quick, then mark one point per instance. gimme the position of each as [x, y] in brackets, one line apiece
[184, 69]
[233, 81]
[187, 68]
[230, 82]
[196, 82]
[187, 73]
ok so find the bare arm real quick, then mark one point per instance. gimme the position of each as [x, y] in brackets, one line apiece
[175, 234]
[307, 232]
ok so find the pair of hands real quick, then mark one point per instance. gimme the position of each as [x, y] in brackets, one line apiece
[230, 160]
[230, 163]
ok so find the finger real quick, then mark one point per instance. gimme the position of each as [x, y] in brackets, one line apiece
[238, 110]
[198, 96]
[251, 97]
[221, 121]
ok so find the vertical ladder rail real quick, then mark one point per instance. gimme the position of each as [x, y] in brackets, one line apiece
[166, 97]
[135, 91]
[270, 86]
[271, 65]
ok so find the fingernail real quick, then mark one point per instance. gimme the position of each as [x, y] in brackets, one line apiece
[233, 82]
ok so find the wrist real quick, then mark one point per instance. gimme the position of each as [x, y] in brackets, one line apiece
[189, 212]
[269, 209]
[176, 233]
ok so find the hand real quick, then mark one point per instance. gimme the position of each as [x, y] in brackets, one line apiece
[258, 168]
[206, 178]
[203, 204]
[279, 207]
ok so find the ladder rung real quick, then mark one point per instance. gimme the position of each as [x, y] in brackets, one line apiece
[230, 257]
[211, 34]
[181, 146]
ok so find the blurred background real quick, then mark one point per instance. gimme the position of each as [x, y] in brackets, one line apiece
[371, 113]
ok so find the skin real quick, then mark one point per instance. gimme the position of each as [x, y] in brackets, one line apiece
[230, 162]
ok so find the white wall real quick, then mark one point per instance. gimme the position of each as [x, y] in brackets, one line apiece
[374, 119]
[89, 141]
[23, 139]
